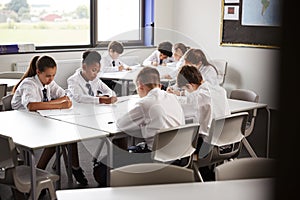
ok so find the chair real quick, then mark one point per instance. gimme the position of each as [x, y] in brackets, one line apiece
[149, 173]
[246, 168]
[221, 66]
[247, 95]
[225, 138]
[175, 143]
[11, 74]
[6, 101]
[3, 91]
[18, 176]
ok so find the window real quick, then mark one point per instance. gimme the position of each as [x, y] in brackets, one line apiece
[45, 23]
[59, 24]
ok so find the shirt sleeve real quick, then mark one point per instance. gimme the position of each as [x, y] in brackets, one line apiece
[78, 94]
[56, 91]
[132, 121]
[104, 89]
[28, 94]
[152, 58]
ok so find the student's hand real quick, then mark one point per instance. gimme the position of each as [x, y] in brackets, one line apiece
[154, 63]
[121, 67]
[167, 76]
[107, 100]
[171, 90]
[66, 103]
[164, 64]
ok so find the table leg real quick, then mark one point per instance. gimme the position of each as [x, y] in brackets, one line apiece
[69, 168]
[33, 174]
[125, 87]
[268, 131]
[58, 172]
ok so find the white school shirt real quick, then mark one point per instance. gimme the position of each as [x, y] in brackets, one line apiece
[79, 91]
[204, 104]
[30, 90]
[155, 111]
[154, 57]
[107, 66]
[209, 74]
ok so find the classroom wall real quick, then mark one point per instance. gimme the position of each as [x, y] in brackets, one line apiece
[197, 23]
[248, 67]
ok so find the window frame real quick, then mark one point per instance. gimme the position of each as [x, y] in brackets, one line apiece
[146, 8]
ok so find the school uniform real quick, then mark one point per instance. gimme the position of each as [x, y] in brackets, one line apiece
[154, 57]
[110, 65]
[81, 93]
[31, 90]
[204, 104]
[209, 74]
[155, 111]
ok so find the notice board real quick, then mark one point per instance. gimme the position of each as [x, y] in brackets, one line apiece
[252, 23]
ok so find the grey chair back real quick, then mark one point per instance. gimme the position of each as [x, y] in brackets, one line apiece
[149, 174]
[246, 168]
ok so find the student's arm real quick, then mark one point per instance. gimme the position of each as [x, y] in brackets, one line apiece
[152, 59]
[60, 103]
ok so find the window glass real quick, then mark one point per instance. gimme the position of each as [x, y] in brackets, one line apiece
[119, 20]
[45, 22]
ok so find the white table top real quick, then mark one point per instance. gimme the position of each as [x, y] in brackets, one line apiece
[9, 81]
[240, 106]
[249, 189]
[103, 117]
[33, 131]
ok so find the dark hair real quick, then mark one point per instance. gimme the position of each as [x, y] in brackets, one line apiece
[116, 47]
[38, 62]
[149, 76]
[195, 56]
[90, 57]
[188, 74]
[165, 48]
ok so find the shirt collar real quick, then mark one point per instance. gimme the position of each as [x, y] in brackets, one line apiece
[39, 82]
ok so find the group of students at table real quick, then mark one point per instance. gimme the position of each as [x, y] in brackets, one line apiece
[195, 78]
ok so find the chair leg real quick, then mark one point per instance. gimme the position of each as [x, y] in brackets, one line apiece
[64, 153]
[249, 148]
[197, 172]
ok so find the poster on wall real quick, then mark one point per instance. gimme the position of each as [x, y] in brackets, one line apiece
[231, 13]
[261, 13]
[251, 23]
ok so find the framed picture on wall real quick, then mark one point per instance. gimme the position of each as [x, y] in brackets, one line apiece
[251, 23]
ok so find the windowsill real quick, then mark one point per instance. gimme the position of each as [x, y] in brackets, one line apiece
[74, 50]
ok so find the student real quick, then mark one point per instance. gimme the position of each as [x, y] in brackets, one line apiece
[204, 102]
[85, 85]
[197, 58]
[179, 49]
[161, 56]
[111, 61]
[157, 109]
[38, 91]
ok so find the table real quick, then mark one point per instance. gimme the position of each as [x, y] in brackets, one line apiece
[46, 133]
[103, 117]
[128, 76]
[247, 189]
[11, 82]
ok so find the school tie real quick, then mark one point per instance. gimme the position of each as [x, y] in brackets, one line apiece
[45, 98]
[91, 93]
[113, 63]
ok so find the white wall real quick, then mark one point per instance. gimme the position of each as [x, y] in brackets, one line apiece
[197, 23]
[252, 68]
